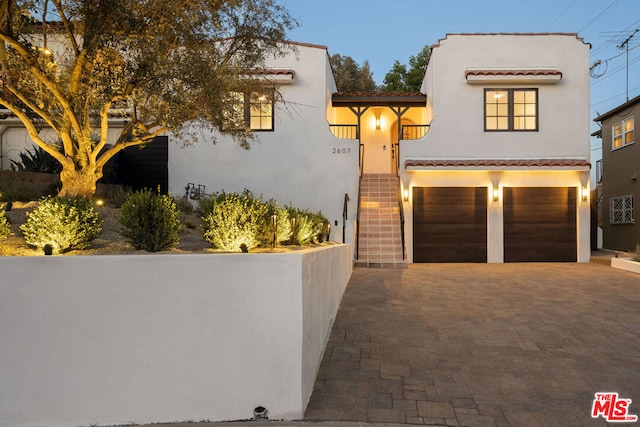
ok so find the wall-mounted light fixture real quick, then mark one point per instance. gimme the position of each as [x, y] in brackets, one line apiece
[405, 194]
[496, 194]
[585, 193]
[377, 123]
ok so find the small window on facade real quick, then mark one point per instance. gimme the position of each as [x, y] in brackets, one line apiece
[511, 109]
[254, 111]
[621, 210]
[261, 112]
[622, 133]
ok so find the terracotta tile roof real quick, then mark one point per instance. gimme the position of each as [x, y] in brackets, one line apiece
[513, 72]
[487, 163]
[278, 72]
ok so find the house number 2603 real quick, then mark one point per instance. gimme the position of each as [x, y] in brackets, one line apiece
[341, 150]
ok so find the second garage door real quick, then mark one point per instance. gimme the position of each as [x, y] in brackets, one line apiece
[540, 224]
[450, 224]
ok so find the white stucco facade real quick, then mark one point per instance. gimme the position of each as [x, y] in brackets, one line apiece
[300, 162]
[557, 66]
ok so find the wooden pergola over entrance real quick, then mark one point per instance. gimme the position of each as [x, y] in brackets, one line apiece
[399, 103]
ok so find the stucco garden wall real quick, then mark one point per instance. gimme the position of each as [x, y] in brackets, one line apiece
[160, 338]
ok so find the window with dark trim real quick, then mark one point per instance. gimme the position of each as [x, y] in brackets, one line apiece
[254, 111]
[510, 110]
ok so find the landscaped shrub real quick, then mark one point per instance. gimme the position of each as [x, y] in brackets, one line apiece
[635, 255]
[151, 221]
[63, 223]
[38, 160]
[308, 227]
[282, 225]
[231, 220]
[5, 227]
[17, 186]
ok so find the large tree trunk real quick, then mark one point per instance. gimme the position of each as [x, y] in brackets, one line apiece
[79, 183]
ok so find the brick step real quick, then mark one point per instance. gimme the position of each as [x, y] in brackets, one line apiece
[380, 237]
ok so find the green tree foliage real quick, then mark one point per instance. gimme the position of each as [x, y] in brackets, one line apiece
[70, 65]
[151, 221]
[351, 77]
[63, 223]
[407, 79]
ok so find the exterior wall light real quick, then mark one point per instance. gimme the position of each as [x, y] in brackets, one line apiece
[405, 194]
[377, 123]
[496, 194]
[585, 193]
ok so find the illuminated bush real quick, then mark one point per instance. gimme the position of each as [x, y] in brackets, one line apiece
[63, 223]
[5, 227]
[231, 220]
[308, 227]
[151, 221]
[282, 225]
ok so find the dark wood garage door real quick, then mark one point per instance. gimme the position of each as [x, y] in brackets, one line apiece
[449, 224]
[540, 224]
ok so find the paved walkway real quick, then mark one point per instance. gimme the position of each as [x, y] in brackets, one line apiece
[481, 345]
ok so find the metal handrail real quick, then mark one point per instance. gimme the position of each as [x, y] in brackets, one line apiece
[345, 212]
[400, 203]
[360, 172]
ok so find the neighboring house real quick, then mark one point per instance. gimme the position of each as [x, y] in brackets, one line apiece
[489, 163]
[618, 176]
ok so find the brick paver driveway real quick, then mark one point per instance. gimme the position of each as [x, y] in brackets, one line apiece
[481, 345]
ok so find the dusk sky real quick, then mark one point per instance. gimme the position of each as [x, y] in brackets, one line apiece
[382, 31]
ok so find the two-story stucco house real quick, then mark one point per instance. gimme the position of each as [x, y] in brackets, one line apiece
[489, 162]
[618, 176]
[503, 173]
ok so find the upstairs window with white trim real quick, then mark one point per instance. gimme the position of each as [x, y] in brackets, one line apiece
[511, 109]
[621, 210]
[622, 133]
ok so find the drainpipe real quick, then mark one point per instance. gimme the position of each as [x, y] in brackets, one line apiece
[3, 128]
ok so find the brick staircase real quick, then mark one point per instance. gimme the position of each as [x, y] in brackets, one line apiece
[380, 239]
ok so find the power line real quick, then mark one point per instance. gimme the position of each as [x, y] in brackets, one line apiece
[600, 15]
[561, 15]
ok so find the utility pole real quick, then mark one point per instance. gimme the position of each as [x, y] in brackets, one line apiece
[626, 44]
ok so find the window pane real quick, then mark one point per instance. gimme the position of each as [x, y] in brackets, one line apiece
[518, 97]
[503, 110]
[530, 97]
[518, 110]
[530, 123]
[492, 110]
[617, 142]
[491, 123]
[617, 129]
[503, 123]
[628, 124]
[628, 138]
[518, 123]
[530, 110]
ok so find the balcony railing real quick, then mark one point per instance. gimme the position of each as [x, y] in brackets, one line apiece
[414, 131]
[345, 131]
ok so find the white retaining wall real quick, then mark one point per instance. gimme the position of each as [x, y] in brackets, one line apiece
[160, 338]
